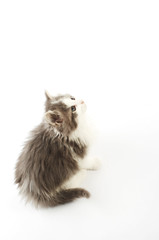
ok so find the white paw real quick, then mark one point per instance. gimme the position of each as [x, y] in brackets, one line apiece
[96, 164]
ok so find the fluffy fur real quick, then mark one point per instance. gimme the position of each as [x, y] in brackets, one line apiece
[53, 161]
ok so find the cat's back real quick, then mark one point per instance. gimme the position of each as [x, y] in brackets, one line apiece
[45, 157]
[36, 143]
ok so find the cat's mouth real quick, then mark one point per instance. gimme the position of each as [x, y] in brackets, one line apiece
[83, 107]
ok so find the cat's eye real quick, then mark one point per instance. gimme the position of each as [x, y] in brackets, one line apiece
[73, 108]
[72, 98]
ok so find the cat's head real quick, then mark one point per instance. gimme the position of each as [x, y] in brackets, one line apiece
[64, 112]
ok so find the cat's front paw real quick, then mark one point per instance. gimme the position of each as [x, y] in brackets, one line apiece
[96, 164]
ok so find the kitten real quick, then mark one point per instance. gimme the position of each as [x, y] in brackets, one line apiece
[53, 161]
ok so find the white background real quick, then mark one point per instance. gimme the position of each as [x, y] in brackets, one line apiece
[106, 52]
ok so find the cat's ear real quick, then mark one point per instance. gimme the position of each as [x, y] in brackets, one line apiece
[48, 96]
[54, 118]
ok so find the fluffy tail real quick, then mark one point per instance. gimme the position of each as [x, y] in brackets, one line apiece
[66, 196]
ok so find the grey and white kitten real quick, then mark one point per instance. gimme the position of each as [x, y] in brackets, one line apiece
[54, 160]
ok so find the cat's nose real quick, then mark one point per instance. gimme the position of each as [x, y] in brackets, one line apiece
[80, 102]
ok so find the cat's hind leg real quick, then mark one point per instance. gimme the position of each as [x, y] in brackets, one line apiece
[89, 163]
[76, 179]
[71, 190]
